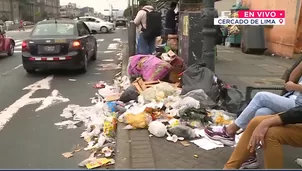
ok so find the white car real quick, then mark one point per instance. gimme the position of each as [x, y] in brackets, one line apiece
[97, 25]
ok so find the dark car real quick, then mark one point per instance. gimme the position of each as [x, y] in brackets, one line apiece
[120, 22]
[59, 44]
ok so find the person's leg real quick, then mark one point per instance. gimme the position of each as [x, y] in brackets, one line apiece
[264, 111]
[275, 138]
[241, 152]
[269, 100]
[151, 45]
[143, 47]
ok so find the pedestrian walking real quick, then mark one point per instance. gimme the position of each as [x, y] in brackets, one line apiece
[21, 25]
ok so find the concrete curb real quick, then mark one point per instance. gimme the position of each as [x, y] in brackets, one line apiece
[133, 149]
[122, 158]
[125, 59]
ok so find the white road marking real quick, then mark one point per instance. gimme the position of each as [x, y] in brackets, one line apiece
[117, 40]
[6, 72]
[113, 46]
[54, 98]
[100, 40]
[108, 60]
[17, 43]
[18, 51]
[9, 112]
[108, 51]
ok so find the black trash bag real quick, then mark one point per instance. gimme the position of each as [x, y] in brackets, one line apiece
[129, 94]
[195, 114]
[183, 131]
[232, 99]
[198, 76]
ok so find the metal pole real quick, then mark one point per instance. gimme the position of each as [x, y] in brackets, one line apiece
[132, 38]
[209, 33]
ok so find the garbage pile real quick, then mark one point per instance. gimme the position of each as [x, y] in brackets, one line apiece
[180, 108]
[100, 121]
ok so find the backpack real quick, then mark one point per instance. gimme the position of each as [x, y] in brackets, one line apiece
[153, 25]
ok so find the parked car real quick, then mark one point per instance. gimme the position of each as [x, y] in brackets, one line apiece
[97, 25]
[121, 22]
[28, 23]
[59, 44]
[7, 44]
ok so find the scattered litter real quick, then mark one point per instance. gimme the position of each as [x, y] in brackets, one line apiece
[99, 163]
[72, 80]
[299, 161]
[99, 85]
[185, 143]
[196, 156]
[67, 155]
[157, 129]
[110, 66]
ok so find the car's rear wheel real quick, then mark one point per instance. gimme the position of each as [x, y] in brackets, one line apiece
[85, 65]
[104, 29]
[11, 49]
[94, 56]
[30, 71]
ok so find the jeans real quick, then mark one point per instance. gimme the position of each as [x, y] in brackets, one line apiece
[145, 47]
[264, 103]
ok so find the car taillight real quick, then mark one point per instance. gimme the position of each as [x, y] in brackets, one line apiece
[76, 44]
[24, 46]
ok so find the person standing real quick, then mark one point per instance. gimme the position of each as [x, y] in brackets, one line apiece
[170, 23]
[148, 24]
[21, 25]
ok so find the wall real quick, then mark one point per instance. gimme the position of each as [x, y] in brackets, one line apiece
[280, 39]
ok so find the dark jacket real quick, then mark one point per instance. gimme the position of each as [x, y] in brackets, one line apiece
[170, 19]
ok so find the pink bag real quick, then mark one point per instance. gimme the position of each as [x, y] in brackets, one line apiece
[149, 67]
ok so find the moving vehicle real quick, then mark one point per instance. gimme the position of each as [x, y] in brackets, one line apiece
[121, 22]
[59, 44]
[97, 25]
[7, 44]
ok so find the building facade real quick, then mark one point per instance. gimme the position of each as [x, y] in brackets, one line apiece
[70, 11]
[282, 40]
[31, 10]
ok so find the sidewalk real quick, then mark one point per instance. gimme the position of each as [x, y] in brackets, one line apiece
[136, 150]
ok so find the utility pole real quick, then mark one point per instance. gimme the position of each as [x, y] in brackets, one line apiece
[209, 33]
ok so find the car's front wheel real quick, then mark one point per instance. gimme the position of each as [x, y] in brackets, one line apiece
[11, 49]
[104, 29]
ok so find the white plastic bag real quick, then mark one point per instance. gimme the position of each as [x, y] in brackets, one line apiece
[157, 128]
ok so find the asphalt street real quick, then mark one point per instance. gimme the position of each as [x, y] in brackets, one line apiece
[29, 139]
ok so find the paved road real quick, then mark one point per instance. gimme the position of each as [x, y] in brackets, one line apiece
[29, 139]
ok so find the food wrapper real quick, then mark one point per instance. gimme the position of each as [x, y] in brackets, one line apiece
[220, 118]
[141, 120]
[99, 162]
[174, 122]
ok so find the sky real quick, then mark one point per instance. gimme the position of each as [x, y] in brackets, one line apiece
[98, 5]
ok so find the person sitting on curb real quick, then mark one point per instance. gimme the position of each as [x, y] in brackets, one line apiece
[264, 103]
[270, 132]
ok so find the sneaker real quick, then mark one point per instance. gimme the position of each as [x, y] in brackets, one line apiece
[218, 133]
[250, 163]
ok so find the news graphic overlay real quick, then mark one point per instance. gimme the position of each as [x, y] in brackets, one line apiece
[253, 17]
